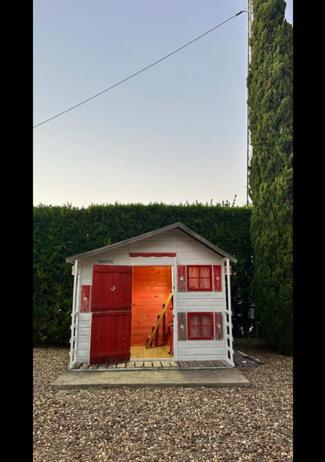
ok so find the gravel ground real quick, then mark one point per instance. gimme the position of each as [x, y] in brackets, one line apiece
[164, 424]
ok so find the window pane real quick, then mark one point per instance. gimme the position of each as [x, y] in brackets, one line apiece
[205, 272]
[195, 319]
[205, 283]
[193, 283]
[206, 319]
[200, 325]
[194, 330]
[206, 331]
[193, 272]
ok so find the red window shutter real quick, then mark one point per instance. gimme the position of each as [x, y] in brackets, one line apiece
[217, 282]
[181, 322]
[218, 326]
[181, 278]
[85, 299]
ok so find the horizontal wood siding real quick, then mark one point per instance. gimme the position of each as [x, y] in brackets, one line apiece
[190, 252]
[83, 343]
[202, 295]
[153, 246]
[152, 261]
[214, 303]
[202, 357]
[200, 351]
[202, 344]
[196, 351]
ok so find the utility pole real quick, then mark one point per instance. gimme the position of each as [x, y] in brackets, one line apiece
[249, 34]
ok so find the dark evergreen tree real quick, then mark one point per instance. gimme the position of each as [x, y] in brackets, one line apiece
[270, 178]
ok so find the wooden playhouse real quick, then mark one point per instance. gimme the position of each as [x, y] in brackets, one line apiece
[163, 294]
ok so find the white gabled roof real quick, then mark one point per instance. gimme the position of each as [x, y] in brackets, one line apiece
[177, 225]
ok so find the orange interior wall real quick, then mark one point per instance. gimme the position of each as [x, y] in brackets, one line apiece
[150, 288]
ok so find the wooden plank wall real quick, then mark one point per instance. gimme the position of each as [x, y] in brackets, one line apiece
[151, 286]
[83, 343]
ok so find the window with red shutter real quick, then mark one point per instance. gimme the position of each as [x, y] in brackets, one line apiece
[200, 326]
[199, 278]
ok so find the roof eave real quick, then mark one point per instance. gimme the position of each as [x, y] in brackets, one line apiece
[178, 225]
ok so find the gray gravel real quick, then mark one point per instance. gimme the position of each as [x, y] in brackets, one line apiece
[164, 424]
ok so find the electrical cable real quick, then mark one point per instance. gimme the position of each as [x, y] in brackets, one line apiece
[139, 71]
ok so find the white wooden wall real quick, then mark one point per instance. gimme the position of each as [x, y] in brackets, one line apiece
[192, 350]
[83, 339]
[191, 252]
[188, 251]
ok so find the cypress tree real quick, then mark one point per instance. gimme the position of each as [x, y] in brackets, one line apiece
[270, 176]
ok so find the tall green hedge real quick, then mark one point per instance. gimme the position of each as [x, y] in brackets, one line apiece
[270, 103]
[63, 231]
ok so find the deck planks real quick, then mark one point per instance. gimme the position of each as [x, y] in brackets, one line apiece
[161, 364]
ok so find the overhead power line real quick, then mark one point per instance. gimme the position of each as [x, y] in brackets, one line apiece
[139, 71]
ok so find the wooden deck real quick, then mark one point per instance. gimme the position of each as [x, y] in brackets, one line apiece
[152, 365]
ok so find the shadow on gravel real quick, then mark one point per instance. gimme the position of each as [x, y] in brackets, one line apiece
[243, 360]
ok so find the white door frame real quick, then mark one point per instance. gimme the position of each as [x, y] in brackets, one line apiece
[175, 320]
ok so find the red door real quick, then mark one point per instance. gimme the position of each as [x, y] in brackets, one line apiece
[111, 313]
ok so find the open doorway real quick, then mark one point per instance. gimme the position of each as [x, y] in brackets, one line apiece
[152, 315]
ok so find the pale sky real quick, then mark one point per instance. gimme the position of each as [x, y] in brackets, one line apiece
[175, 133]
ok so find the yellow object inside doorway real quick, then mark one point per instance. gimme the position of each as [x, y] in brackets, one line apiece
[156, 352]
